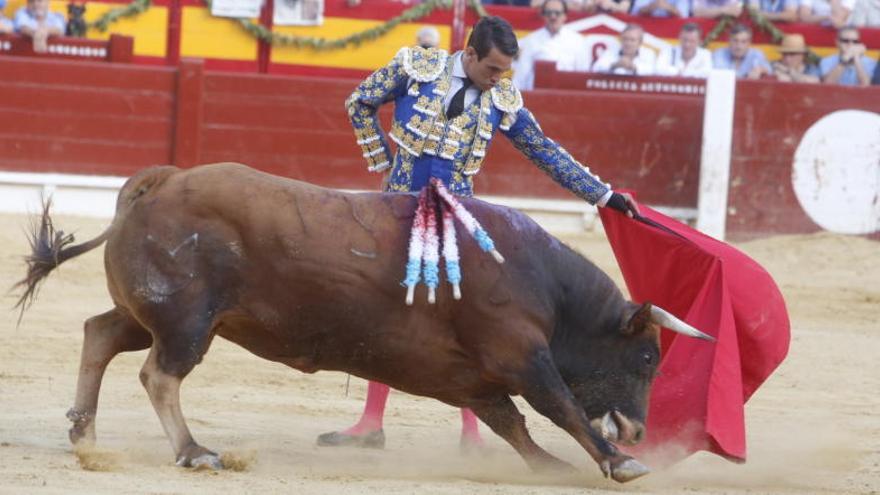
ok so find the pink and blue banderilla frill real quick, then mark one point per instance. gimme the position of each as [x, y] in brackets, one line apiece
[424, 241]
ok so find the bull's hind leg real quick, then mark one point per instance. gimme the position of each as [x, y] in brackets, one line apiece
[106, 335]
[171, 359]
[505, 420]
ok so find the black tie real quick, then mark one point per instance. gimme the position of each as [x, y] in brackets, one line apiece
[456, 105]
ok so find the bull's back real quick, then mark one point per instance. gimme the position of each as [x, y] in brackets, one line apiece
[245, 236]
[286, 231]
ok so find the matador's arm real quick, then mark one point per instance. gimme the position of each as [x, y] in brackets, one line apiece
[380, 87]
[527, 136]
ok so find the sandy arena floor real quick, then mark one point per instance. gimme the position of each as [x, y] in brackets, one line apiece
[813, 428]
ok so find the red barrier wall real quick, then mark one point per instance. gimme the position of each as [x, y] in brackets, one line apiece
[101, 119]
[84, 117]
[769, 123]
[113, 119]
[297, 127]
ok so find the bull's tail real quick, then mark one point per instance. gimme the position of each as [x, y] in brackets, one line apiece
[51, 247]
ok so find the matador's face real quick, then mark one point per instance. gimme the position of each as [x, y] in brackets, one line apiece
[486, 72]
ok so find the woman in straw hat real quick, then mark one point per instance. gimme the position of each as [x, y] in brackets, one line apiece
[793, 66]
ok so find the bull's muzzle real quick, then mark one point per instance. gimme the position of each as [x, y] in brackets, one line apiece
[617, 428]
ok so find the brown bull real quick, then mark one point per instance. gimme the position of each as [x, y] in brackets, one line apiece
[310, 277]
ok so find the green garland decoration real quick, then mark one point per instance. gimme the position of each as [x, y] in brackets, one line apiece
[764, 24]
[478, 8]
[721, 26]
[761, 22]
[757, 18]
[278, 39]
[776, 34]
[412, 14]
[135, 8]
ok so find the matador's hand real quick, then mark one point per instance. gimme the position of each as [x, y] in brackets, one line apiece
[625, 203]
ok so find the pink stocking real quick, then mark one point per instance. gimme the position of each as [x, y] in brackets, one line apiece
[470, 430]
[374, 410]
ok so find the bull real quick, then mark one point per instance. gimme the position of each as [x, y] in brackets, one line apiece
[309, 277]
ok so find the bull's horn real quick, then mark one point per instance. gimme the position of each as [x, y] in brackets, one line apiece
[666, 319]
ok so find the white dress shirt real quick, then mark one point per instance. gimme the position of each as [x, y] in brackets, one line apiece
[645, 63]
[567, 48]
[671, 63]
[456, 82]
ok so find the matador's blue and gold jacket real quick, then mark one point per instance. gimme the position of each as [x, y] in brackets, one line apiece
[429, 145]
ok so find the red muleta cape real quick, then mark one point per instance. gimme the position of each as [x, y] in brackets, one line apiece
[697, 401]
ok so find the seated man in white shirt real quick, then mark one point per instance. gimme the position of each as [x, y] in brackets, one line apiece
[632, 58]
[37, 22]
[553, 42]
[688, 59]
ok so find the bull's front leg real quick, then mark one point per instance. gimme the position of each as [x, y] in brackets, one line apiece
[502, 416]
[543, 388]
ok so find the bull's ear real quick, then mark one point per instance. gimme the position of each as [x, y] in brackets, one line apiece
[638, 320]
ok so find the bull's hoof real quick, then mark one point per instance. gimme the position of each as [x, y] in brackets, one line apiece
[371, 440]
[79, 436]
[207, 461]
[82, 433]
[628, 470]
[199, 458]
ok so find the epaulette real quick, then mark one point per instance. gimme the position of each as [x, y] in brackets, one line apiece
[506, 97]
[423, 64]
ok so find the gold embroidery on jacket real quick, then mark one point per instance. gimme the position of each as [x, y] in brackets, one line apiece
[424, 64]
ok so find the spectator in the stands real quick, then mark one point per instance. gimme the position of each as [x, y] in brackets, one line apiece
[662, 8]
[428, 37]
[739, 55]
[611, 6]
[515, 3]
[632, 58]
[688, 59]
[573, 5]
[849, 66]
[5, 24]
[593, 6]
[826, 12]
[866, 13]
[554, 43]
[793, 65]
[36, 21]
[716, 8]
[779, 10]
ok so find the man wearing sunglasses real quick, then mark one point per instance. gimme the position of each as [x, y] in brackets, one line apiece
[850, 66]
[553, 42]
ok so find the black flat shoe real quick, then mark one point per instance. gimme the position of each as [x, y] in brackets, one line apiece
[372, 440]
